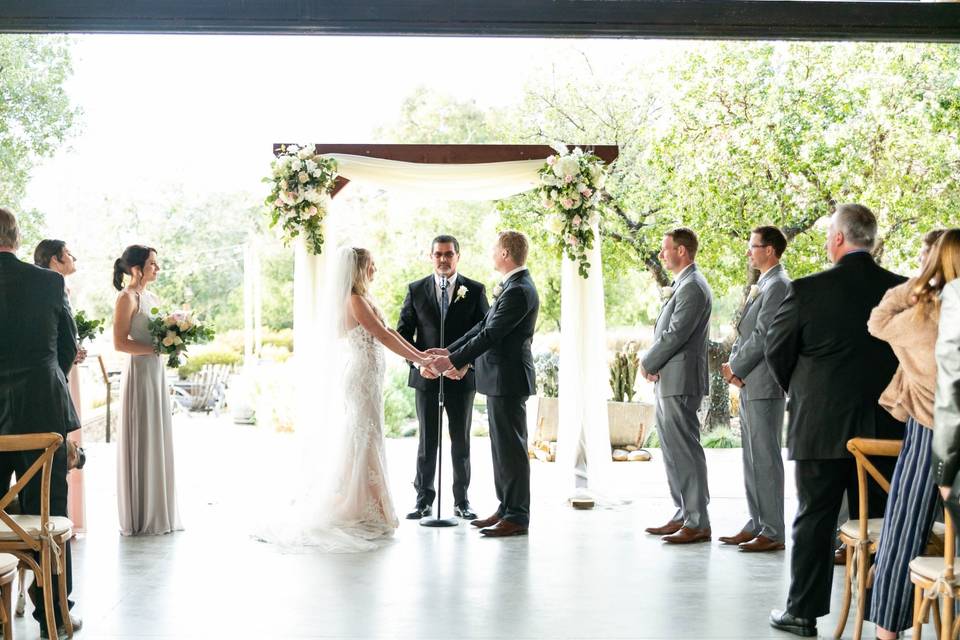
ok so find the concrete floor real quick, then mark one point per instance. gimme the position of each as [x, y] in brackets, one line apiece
[579, 574]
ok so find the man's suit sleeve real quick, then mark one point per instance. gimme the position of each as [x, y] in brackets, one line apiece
[510, 312]
[750, 352]
[66, 337]
[946, 412]
[783, 339]
[691, 301]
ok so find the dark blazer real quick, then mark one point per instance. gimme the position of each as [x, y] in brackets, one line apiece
[500, 343]
[419, 324]
[38, 345]
[832, 369]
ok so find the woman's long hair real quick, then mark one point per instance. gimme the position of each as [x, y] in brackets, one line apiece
[942, 266]
[361, 283]
[136, 255]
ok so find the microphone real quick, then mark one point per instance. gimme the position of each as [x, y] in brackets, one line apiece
[443, 283]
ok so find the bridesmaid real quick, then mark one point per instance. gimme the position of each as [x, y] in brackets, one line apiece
[145, 484]
[54, 255]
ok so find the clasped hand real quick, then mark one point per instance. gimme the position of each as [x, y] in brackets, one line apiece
[437, 363]
[729, 376]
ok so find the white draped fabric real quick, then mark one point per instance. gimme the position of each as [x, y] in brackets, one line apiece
[584, 434]
[484, 181]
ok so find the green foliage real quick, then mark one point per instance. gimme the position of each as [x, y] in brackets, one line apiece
[87, 328]
[721, 438]
[547, 367]
[399, 402]
[653, 439]
[197, 361]
[35, 112]
[623, 372]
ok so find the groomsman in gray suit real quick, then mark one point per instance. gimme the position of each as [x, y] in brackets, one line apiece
[762, 400]
[677, 364]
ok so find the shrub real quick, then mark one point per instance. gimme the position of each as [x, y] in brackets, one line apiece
[653, 440]
[196, 362]
[721, 438]
[399, 403]
[547, 366]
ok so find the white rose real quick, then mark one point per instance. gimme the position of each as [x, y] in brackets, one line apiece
[170, 339]
[311, 166]
[666, 292]
[295, 165]
[570, 166]
[303, 177]
[754, 292]
[304, 153]
[555, 224]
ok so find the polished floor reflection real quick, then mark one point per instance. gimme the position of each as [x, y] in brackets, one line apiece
[579, 574]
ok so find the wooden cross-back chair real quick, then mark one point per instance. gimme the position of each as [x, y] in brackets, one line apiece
[862, 535]
[28, 536]
[935, 586]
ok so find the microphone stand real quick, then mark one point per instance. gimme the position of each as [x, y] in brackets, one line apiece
[438, 521]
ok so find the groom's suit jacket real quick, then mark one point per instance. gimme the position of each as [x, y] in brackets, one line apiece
[500, 343]
[37, 348]
[679, 350]
[746, 357]
[832, 369]
[419, 324]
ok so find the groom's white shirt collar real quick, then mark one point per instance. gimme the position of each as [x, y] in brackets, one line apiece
[511, 273]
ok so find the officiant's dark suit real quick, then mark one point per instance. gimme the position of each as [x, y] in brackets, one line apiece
[833, 371]
[37, 348]
[420, 325]
[500, 346]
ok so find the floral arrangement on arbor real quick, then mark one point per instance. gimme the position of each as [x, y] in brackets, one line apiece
[571, 189]
[302, 182]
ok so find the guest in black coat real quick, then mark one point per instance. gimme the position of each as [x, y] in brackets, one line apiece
[833, 371]
[38, 346]
[465, 305]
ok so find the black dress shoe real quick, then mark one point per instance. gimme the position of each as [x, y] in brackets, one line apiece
[420, 512]
[464, 511]
[797, 626]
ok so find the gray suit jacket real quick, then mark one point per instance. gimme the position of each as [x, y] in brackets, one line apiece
[946, 408]
[679, 350]
[746, 357]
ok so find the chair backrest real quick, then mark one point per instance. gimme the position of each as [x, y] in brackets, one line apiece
[47, 443]
[863, 449]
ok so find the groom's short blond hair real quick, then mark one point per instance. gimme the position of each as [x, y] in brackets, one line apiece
[516, 245]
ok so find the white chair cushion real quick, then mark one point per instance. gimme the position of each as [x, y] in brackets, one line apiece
[939, 529]
[8, 563]
[31, 524]
[930, 567]
[851, 528]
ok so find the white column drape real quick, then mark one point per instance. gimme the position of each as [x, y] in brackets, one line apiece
[583, 441]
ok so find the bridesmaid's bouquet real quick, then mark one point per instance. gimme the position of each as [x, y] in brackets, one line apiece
[87, 328]
[174, 332]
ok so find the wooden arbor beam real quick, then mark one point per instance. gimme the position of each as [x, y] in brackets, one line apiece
[719, 19]
[450, 153]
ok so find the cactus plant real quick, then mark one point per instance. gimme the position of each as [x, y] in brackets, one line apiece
[623, 372]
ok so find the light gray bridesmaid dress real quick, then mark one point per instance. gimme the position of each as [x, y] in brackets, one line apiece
[146, 490]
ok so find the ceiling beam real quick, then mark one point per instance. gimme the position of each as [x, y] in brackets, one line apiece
[721, 19]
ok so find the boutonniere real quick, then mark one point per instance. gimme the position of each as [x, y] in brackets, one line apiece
[497, 290]
[754, 292]
[666, 292]
[461, 293]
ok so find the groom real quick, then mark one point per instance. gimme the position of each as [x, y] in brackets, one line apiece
[500, 344]
[465, 305]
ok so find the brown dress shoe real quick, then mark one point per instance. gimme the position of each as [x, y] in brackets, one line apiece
[671, 527]
[486, 522]
[762, 543]
[740, 538]
[686, 535]
[503, 529]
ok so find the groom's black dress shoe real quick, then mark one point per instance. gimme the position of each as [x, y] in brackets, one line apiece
[420, 512]
[798, 626]
[464, 511]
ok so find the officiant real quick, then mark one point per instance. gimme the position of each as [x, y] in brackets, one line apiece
[463, 305]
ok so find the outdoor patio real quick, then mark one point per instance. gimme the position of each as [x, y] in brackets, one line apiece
[579, 574]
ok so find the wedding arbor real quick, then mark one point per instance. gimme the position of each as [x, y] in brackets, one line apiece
[486, 172]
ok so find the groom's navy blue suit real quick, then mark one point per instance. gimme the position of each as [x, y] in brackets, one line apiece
[500, 347]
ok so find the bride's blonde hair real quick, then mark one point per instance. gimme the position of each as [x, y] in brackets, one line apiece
[361, 283]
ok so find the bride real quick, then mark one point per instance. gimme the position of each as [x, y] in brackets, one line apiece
[346, 506]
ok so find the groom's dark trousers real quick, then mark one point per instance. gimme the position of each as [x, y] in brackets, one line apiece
[833, 371]
[420, 325]
[500, 346]
[37, 349]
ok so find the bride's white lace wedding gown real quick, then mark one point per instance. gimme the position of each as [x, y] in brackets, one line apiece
[347, 507]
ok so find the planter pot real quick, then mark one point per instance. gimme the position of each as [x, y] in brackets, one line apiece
[629, 421]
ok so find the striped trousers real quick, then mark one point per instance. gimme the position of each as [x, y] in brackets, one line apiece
[906, 529]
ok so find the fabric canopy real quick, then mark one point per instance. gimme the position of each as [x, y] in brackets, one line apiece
[484, 181]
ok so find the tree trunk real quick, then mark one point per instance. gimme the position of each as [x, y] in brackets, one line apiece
[718, 414]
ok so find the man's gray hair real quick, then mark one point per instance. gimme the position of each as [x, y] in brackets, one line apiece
[9, 230]
[857, 224]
